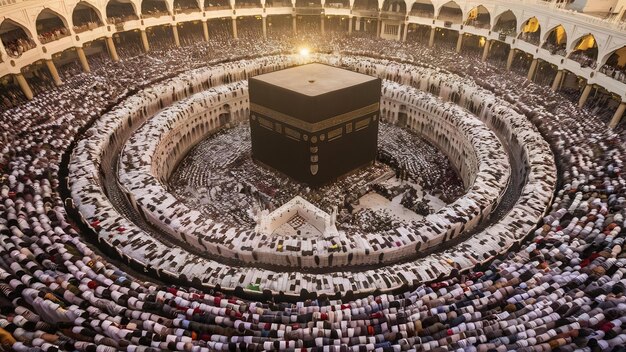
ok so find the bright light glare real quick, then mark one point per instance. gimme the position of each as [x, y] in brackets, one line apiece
[304, 52]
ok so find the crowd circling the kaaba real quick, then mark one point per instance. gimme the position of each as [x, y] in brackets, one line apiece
[563, 289]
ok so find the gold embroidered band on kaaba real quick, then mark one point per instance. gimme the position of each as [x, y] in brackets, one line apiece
[317, 126]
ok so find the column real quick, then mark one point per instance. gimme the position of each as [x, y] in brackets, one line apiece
[24, 86]
[617, 117]
[54, 73]
[532, 70]
[431, 41]
[295, 31]
[378, 29]
[205, 30]
[175, 32]
[406, 30]
[585, 95]
[264, 18]
[235, 28]
[557, 80]
[3, 52]
[486, 50]
[83, 59]
[112, 50]
[144, 41]
[350, 25]
[322, 24]
[620, 14]
[357, 24]
[459, 43]
[509, 60]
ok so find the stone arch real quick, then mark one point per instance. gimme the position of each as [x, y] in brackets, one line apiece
[586, 40]
[584, 50]
[506, 23]
[618, 55]
[555, 40]
[530, 31]
[531, 24]
[450, 11]
[121, 11]
[16, 38]
[86, 16]
[423, 8]
[394, 6]
[51, 25]
[479, 17]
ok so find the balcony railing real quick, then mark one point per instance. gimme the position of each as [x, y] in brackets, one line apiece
[451, 18]
[555, 49]
[478, 24]
[9, 2]
[279, 4]
[614, 72]
[186, 10]
[51, 36]
[530, 37]
[17, 47]
[308, 5]
[86, 27]
[154, 14]
[248, 6]
[217, 7]
[337, 5]
[583, 60]
[509, 31]
[610, 22]
[122, 19]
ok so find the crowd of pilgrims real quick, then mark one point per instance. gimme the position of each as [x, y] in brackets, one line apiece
[53, 34]
[210, 178]
[563, 290]
[16, 47]
[147, 159]
[616, 72]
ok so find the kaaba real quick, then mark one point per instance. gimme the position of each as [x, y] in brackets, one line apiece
[314, 122]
